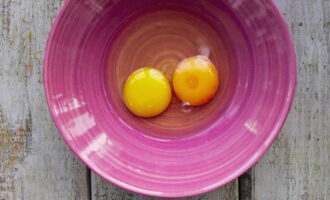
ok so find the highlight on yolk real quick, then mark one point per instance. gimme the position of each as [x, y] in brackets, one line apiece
[147, 92]
[195, 80]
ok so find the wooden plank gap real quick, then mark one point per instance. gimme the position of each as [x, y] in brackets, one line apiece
[89, 183]
[245, 186]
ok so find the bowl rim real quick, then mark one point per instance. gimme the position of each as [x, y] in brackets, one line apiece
[263, 149]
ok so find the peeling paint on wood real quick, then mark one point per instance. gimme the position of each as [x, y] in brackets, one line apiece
[15, 142]
[298, 164]
[34, 161]
[15, 146]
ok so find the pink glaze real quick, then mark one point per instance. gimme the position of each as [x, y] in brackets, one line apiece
[95, 44]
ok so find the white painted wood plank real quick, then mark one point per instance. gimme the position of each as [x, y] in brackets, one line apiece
[34, 161]
[297, 167]
[102, 190]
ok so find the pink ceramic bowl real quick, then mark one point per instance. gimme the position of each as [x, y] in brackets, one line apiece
[95, 44]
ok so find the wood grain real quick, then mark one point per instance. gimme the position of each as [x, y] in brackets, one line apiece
[297, 166]
[102, 190]
[34, 162]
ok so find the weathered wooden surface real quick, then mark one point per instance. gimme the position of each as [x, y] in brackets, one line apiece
[297, 167]
[36, 164]
[101, 190]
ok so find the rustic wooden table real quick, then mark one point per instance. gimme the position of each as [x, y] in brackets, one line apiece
[36, 164]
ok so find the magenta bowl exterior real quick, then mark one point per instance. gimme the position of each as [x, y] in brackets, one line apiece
[163, 167]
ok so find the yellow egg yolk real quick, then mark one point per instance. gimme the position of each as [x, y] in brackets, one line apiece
[195, 80]
[147, 92]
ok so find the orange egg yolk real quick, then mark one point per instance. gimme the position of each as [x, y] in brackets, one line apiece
[195, 80]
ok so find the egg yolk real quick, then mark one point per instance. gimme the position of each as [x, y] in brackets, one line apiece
[147, 92]
[195, 80]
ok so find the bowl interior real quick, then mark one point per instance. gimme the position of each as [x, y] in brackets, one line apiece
[161, 35]
[93, 47]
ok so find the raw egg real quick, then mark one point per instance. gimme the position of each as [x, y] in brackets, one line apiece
[147, 92]
[195, 80]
